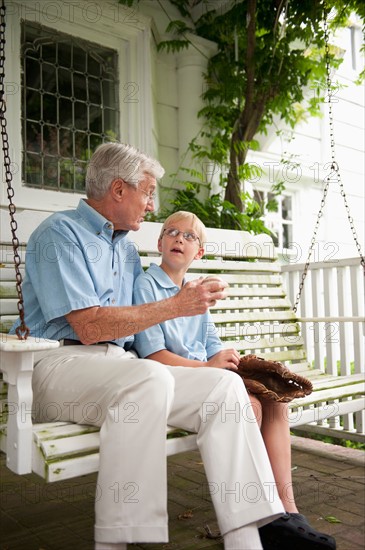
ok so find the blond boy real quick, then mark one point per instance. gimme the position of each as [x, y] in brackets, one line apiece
[193, 342]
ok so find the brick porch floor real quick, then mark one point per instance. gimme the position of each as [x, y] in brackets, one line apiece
[329, 483]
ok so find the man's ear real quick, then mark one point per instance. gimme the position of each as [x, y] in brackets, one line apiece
[116, 189]
[200, 254]
[159, 244]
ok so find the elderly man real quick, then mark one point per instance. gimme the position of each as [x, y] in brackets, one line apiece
[80, 268]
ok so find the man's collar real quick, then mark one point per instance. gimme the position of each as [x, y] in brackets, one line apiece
[98, 223]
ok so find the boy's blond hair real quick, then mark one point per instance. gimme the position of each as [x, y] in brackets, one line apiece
[194, 221]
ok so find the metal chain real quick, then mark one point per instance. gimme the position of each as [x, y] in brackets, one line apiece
[22, 330]
[334, 165]
[334, 170]
[313, 242]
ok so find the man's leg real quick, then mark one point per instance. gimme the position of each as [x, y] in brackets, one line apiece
[130, 400]
[215, 404]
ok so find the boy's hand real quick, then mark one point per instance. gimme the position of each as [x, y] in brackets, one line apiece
[195, 297]
[225, 359]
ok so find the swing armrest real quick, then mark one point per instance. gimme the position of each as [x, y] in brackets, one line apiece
[17, 361]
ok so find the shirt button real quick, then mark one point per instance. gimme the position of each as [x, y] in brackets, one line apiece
[115, 272]
[113, 301]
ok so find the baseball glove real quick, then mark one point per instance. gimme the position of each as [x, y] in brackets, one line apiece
[271, 380]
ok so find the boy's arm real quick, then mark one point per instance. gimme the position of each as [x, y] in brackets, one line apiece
[154, 338]
[224, 359]
[213, 343]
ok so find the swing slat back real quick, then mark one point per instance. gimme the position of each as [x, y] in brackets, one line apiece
[256, 318]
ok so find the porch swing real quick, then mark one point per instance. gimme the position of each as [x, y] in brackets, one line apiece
[63, 450]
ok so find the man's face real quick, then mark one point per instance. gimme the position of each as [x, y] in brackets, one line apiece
[137, 201]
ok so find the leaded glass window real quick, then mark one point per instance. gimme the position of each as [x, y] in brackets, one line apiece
[69, 106]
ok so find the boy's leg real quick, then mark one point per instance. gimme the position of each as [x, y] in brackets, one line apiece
[215, 404]
[276, 434]
[130, 400]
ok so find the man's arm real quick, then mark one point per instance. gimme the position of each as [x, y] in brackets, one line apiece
[100, 324]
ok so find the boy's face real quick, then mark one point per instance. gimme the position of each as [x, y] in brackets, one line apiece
[177, 251]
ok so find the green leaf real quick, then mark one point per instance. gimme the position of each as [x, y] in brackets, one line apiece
[332, 519]
[178, 26]
[272, 205]
[128, 3]
[173, 45]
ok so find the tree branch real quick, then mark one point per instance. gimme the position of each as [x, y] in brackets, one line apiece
[251, 45]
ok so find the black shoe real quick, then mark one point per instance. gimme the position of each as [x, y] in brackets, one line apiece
[292, 531]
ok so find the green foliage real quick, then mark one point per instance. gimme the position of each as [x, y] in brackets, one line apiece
[173, 46]
[178, 26]
[213, 211]
[332, 440]
[128, 3]
[270, 61]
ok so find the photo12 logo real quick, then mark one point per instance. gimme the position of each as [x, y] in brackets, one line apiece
[73, 11]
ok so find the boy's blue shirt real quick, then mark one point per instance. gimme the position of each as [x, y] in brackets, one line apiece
[191, 337]
[75, 261]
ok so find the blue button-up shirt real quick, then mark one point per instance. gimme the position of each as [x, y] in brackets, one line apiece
[191, 337]
[75, 260]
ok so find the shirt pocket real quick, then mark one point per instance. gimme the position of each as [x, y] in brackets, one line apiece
[125, 292]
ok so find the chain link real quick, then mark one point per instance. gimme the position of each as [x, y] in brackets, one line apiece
[334, 170]
[22, 330]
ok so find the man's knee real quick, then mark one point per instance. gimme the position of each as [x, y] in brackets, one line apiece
[155, 381]
[159, 378]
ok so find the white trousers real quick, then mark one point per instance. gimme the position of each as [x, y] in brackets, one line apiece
[132, 400]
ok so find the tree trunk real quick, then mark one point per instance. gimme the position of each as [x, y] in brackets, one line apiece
[251, 115]
[247, 126]
[237, 157]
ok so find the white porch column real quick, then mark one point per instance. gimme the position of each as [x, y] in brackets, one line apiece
[191, 64]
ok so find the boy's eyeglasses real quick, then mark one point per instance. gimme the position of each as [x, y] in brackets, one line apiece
[188, 235]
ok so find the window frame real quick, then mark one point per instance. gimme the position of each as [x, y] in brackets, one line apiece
[277, 216]
[131, 40]
[52, 147]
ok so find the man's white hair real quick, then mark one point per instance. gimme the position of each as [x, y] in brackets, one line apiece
[118, 160]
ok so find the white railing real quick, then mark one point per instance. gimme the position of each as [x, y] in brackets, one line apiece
[331, 313]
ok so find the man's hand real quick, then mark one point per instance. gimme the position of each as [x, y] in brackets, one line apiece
[225, 359]
[102, 324]
[197, 296]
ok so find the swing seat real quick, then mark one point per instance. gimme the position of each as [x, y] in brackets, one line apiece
[257, 317]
